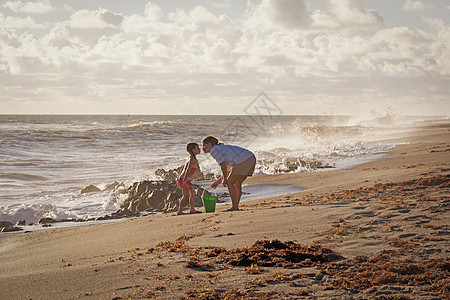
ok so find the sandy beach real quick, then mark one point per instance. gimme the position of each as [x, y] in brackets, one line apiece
[379, 230]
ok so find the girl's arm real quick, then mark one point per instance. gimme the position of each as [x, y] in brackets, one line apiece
[188, 169]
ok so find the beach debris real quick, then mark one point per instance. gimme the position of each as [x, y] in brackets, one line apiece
[274, 254]
[177, 246]
[230, 294]
[385, 193]
[195, 263]
[254, 269]
[363, 273]
[90, 189]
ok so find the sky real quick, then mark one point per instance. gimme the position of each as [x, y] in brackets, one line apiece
[342, 57]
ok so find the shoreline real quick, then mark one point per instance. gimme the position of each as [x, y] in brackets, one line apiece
[77, 262]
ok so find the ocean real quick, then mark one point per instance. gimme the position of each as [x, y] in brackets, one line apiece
[46, 160]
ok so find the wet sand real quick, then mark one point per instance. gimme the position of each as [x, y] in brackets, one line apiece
[383, 225]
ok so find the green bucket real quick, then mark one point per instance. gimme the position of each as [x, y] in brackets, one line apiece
[209, 203]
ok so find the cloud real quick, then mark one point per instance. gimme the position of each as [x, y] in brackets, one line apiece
[437, 24]
[295, 15]
[415, 5]
[91, 25]
[153, 12]
[339, 54]
[220, 3]
[100, 18]
[198, 15]
[37, 7]
[7, 22]
[345, 14]
[273, 14]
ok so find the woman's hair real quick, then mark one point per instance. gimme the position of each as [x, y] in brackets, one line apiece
[211, 140]
[190, 147]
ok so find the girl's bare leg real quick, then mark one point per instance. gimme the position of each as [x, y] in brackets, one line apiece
[191, 198]
[191, 201]
[182, 203]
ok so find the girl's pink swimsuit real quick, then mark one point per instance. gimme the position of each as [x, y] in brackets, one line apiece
[187, 184]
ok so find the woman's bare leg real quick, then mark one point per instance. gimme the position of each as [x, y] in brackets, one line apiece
[234, 183]
[238, 186]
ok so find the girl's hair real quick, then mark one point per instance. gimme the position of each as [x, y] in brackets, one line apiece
[190, 147]
[211, 140]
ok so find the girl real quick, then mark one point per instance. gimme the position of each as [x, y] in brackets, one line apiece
[184, 182]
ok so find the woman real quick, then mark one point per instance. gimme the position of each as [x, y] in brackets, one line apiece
[242, 162]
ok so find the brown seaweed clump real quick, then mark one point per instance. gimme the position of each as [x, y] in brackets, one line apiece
[274, 254]
[363, 273]
[231, 294]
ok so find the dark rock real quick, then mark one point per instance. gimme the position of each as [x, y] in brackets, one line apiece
[148, 196]
[292, 164]
[122, 213]
[46, 221]
[112, 186]
[156, 199]
[21, 223]
[107, 217]
[172, 201]
[71, 220]
[172, 175]
[11, 229]
[90, 189]
[4, 224]
[142, 187]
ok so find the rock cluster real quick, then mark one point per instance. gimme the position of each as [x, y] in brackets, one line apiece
[156, 196]
[291, 165]
[172, 174]
[93, 189]
[8, 227]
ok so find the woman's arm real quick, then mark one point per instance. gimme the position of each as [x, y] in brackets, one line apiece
[223, 166]
[216, 183]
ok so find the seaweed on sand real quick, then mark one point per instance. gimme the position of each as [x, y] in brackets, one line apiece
[363, 273]
[274, 253]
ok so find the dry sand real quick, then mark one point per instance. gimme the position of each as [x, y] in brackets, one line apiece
[389, 225]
